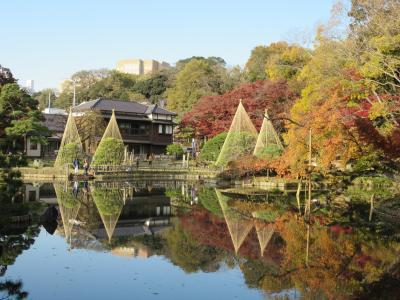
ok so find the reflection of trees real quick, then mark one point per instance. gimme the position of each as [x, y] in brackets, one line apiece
[339, 262]
[68, 204]
[264, 233]
[13, 289]
[14, 239]
[208, 229]
[387, 287]
[88, 213]
[109, 202]
[238, 225]
[186, 252]
[208, 198]
[13, 245]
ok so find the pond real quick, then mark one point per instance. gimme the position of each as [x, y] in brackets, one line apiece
[185, 240]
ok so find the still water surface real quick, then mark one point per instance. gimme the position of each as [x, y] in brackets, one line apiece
[178, 240]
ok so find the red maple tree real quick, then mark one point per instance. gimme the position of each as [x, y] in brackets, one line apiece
[213, 114]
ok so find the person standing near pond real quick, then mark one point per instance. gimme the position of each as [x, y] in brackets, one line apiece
[86, 167]
[137, 162]
[76, 165]
[151, 158]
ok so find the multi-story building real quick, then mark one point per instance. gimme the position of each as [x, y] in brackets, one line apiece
[145, 129]
[130, 66]
[140, 67]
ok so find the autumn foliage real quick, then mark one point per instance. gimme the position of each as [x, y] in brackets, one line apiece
[213, 114]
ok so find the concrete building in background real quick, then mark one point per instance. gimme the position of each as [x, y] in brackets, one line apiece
[141, 67]
[30, 86]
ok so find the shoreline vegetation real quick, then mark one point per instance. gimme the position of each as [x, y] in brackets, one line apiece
[326, 113]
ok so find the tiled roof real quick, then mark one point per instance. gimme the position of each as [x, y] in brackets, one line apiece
[121, 106]
[55, 122]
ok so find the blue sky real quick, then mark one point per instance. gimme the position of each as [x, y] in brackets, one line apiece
[49, 40]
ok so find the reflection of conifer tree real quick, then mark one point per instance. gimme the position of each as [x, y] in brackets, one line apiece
[238, 225]
[69, 204]
[264, 233]
[109, 203]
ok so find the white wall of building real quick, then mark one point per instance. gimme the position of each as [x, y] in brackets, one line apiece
[32, 149]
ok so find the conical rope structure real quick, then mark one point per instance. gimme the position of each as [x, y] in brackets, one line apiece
[109, 203]
[264, 231]
[110, 150]
[241, 138]
[238, 225]
[71, 144]
[69, 205]
[268, 142]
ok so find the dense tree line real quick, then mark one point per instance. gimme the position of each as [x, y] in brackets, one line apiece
[19, 117]
[345, 89]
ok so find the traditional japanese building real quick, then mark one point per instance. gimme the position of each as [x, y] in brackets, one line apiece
[54, 120]
[145, 129]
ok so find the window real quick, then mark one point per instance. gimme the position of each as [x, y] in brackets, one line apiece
[134, 129]
[124, 125]
[160, 129]
[31, 196]
[168, 129]
[33, 146]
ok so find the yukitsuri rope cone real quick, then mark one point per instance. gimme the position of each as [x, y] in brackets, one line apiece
[71, 144]
[110, 150]
[264, 232]
[109, 203]
[69, 205]
[268, 142]
[241, 138]
[239, 226]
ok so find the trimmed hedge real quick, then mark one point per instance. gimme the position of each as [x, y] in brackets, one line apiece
[174, 149]
[109, 152]
[68, 153]
[270, 152]
[212, 147]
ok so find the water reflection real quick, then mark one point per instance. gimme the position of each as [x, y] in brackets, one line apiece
[339, 253]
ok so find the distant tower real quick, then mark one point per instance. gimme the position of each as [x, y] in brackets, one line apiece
[30, 86]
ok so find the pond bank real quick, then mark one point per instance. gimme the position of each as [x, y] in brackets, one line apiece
[277, 184]
[63, 173]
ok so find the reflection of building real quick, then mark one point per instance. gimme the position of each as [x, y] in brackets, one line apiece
[40, 192]
[144, 214]
[144, 128]
[140, 67]
[137, 250]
